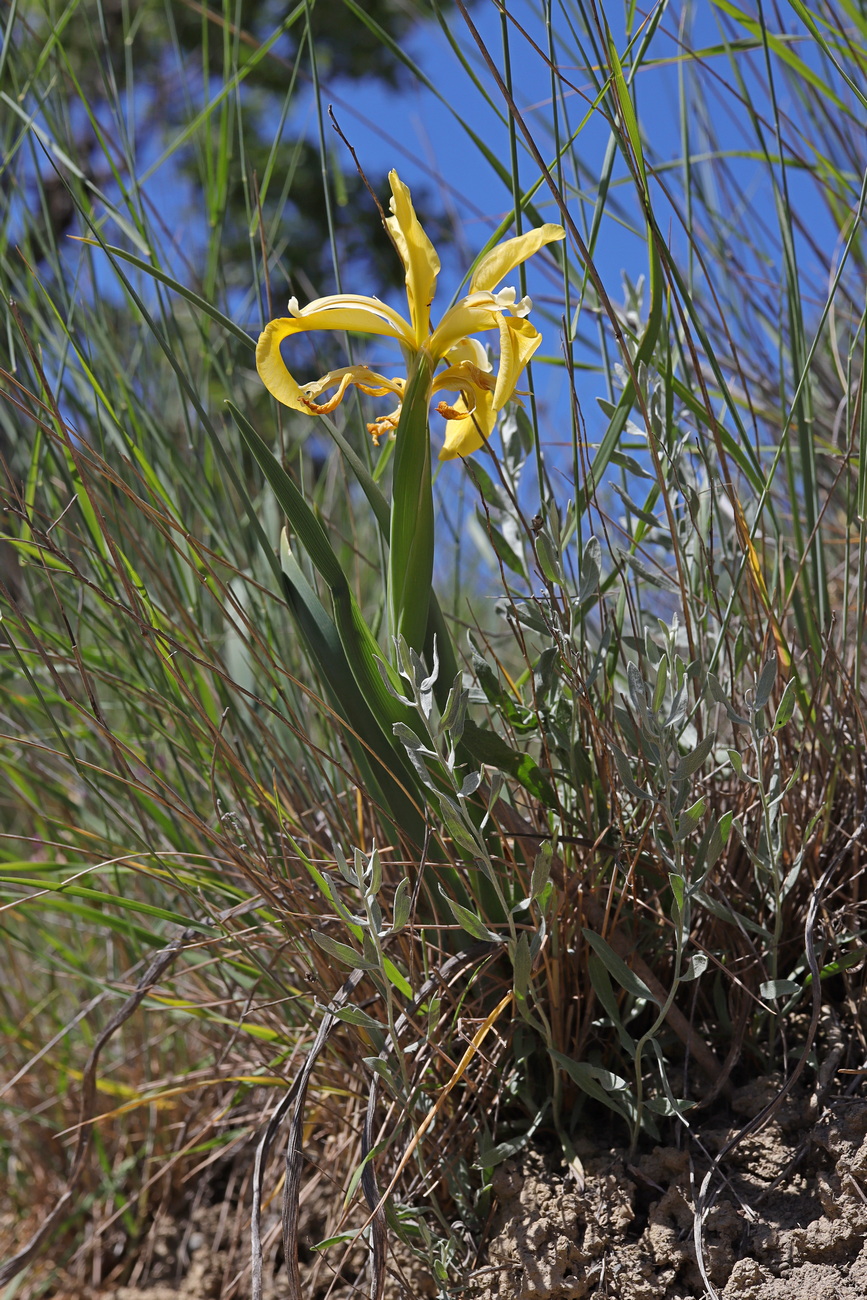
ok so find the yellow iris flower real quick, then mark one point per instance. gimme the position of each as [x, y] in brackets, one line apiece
[481, 394]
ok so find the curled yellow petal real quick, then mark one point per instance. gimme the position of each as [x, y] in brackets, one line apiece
[418, 255]
[502, 259]
[518, 341]
[384, 426]
[325, 408]
[302, 397]
[360, 375]
[272, 367]
[348, 311]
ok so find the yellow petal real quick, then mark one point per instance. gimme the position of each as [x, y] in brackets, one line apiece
[467, 378]
[384, 426]
[363, 316]
[470, 350]
[418, 255]
[272, 367]
[502, 259]
[302, 397]
[467, 434]
[471, 315]
[518, 341]
[353, 312]
[369, 381]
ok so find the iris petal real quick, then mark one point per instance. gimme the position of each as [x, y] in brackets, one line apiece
[272, 367]
[370, 381]
[472, 315]
[302, 397]
[364, 316]
[502, 259]
[418, 255]
[350, 312]
[518, 341]
[469, 350]
[467, 434]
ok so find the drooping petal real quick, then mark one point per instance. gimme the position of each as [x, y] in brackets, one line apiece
[354, 312]
[470, 420]
[272, 367]
[467, 433]
[302, 397]
[502, 259]
[341, 312]
[418, 255]
[518, 341]
[369, 381]
[384, 426]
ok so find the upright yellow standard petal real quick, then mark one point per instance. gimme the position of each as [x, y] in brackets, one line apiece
[497, 264]
[418, 255]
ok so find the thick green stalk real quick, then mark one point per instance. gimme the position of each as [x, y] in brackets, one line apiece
[411, 540]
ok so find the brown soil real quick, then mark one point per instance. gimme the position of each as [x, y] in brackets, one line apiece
[790, 1223]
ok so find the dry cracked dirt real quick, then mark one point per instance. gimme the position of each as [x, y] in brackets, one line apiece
[790, 1222]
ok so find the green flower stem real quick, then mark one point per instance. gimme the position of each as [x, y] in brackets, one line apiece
[411, 540]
